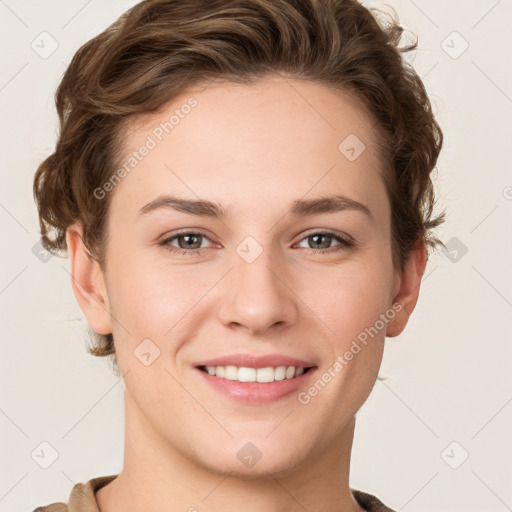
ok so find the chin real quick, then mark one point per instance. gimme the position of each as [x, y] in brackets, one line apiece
[256, 459]
[261, 470]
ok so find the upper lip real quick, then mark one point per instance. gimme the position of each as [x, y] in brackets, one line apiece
[253, 361]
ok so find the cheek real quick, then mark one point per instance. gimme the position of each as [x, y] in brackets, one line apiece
[349, 298]
[148, 299]
[160, 301]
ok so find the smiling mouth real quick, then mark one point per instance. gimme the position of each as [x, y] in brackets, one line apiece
[260, 375]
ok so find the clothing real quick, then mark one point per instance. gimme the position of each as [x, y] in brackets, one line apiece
[83, 499]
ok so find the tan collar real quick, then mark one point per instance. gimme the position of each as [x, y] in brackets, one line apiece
[83, 499]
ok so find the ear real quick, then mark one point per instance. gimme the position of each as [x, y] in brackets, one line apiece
[88, 282]
[408, 287]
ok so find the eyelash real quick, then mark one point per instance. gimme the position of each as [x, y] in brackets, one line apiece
[344, 243]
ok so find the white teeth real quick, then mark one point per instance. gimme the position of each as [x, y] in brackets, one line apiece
[245, 374]
[231, 373]
[280, 373]
[265, 374]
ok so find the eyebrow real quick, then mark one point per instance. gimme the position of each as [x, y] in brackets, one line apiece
[299, 208]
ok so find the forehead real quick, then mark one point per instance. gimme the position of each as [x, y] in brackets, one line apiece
[278, 138]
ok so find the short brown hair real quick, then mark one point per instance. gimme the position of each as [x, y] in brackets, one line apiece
[159, 48]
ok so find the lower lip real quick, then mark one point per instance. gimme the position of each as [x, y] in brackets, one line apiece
[257, 392]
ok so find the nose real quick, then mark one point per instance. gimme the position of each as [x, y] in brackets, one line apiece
[258, 296]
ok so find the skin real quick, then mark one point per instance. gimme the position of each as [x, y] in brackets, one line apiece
[253, 149]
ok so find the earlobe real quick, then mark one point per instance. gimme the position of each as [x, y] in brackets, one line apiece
[88, 282]
[409, 288]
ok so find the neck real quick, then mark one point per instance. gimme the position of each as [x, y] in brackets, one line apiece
[160, 477]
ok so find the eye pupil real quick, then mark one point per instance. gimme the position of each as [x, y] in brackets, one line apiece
[321, 236]
[187, 245]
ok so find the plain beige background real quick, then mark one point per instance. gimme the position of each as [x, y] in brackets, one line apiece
[434, 436]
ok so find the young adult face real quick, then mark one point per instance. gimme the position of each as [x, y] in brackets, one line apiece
[257, 287]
